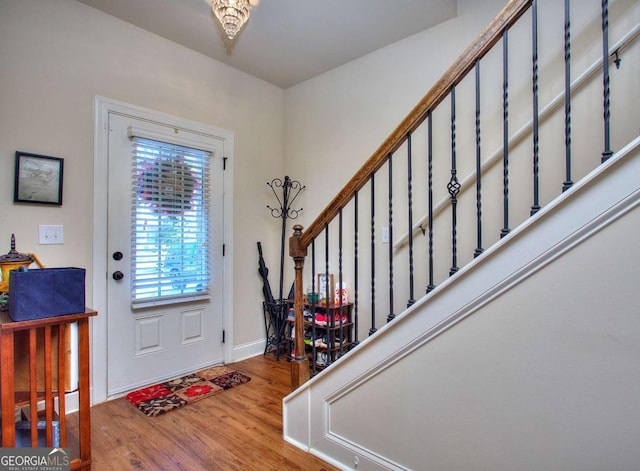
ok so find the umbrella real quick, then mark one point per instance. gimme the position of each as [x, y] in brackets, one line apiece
[277, 310]
[264, 273]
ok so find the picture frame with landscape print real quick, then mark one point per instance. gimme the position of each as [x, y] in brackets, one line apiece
[38, 179]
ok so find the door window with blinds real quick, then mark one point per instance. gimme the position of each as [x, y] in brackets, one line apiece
[170, 222]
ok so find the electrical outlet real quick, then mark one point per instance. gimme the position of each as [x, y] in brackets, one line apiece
[385, 235]
[50, 234]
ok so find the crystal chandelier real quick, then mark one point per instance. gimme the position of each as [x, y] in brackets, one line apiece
[232, 14]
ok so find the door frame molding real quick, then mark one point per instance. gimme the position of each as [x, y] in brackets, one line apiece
[101, 108]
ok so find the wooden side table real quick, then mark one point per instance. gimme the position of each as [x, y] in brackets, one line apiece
[12, 398]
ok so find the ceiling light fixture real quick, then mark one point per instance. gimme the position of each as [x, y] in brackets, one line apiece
[232, 14]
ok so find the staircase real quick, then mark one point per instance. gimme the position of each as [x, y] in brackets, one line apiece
[522, 352]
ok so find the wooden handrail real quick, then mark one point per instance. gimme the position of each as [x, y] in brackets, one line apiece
[454, 75]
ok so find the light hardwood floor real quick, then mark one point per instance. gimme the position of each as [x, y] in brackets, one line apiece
[238, 429]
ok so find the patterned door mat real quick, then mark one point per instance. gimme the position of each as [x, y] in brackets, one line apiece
[173, 394]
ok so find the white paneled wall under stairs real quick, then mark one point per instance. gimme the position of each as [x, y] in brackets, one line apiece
[525, 359]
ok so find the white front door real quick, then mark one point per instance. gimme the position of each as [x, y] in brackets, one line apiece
[175, 326]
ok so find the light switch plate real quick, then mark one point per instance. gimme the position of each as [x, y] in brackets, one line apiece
[385, 235]
[50, 234]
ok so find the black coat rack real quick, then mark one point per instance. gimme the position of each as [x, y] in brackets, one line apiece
[276, 310]
[290, 191]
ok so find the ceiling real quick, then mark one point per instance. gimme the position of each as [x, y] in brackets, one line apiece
[285, 42]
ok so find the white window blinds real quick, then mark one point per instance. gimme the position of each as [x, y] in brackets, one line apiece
[169, 221]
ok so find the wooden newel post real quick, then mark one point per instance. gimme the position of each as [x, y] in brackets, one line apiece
[299, 362]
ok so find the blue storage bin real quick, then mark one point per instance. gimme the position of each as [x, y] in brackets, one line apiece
[46, 292]
[23, 434]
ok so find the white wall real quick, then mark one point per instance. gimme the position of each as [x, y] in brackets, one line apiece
[55, 56]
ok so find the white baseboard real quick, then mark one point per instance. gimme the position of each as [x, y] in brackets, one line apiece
[248, 350]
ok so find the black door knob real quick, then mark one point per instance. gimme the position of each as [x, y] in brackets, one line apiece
[118, 275]
[117, 255]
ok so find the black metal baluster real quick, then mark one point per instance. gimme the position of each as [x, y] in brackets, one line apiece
[567, 95]
[505, 134]
[391, 315]
[431, 285]
[454, 188]
[373, 258]
[355, 269]
[411, 300]
[479, 248]
[313, 307]
[339, 290]
[605, 81]
[536, 150]
[327, 294]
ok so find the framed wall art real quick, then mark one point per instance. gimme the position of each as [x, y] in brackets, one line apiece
[38, 179]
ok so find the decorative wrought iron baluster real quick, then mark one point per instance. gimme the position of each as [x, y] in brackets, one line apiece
[431, 285]
[373, 258]
[607, 153]
[454, 188]
[313, 307]
[411, 300]
[536, 147]
[505, 134]
[339, 290]
[355, 269]
[479, 248]
[327, 290]
[391, 315]
[567, 95]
